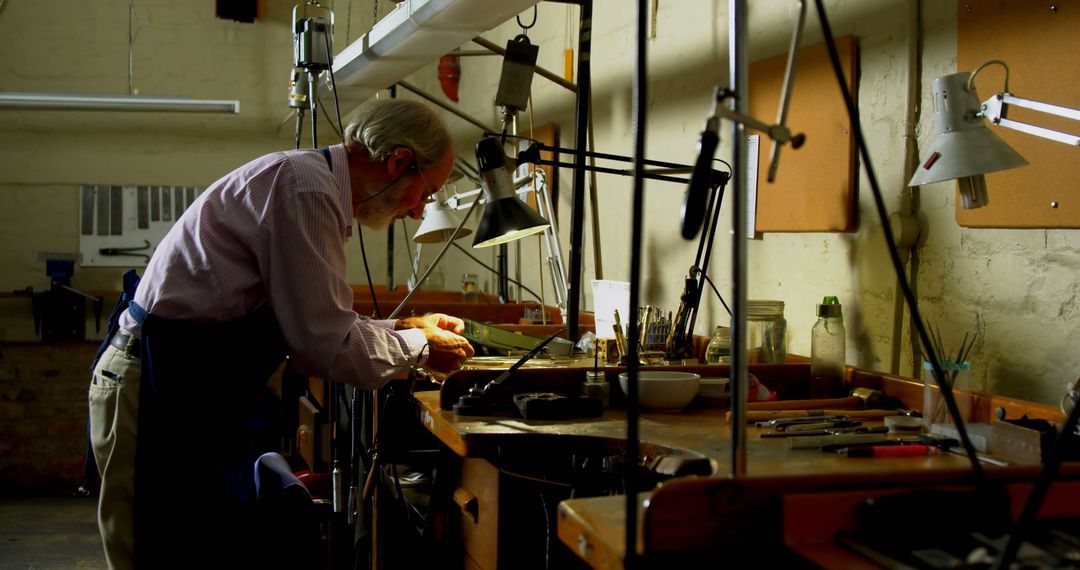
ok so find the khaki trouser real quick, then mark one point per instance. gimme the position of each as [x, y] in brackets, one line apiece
[114, 408]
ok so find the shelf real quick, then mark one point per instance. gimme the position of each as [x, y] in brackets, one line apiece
[414, 34]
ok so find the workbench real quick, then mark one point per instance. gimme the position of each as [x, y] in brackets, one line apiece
[498, 452]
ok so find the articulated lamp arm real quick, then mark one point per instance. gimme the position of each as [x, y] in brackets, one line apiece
[996, 110]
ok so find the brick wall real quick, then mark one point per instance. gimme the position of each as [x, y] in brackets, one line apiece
[43, 411]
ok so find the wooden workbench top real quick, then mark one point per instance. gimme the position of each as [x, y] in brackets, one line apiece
[593, 527]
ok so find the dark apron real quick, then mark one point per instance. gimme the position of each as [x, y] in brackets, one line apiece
[205, 417]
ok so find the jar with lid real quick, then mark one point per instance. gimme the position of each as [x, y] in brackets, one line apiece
[828, 352]
[470, 292]
[766, 331]
[719, 349]
[596, 386]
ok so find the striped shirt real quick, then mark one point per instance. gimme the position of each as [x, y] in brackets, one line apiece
[273, 232]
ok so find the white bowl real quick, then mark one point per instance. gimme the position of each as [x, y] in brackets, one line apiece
[663, 390]
[714, 387]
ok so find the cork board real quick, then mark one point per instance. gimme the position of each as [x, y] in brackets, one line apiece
[1038, 41]
[815, 186]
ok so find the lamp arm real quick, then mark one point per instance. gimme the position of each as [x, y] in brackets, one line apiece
[457, 201]
[996, 110]
[551, 240]
[438, 258]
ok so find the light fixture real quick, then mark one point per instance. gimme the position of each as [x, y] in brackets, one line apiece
[73, 102]
[964, 148]
[413, 35]
[438, 224]
[506, 218]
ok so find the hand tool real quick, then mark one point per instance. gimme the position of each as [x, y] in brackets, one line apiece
[888, 451]
[128, 251]
[846, 439]
[762, 415]
[775, 423]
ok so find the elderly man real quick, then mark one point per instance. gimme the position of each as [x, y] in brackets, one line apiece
[252, 273]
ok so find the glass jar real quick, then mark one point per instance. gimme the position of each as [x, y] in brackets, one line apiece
[596, 386]
[719, 349]
[470, 292]
[766, 331]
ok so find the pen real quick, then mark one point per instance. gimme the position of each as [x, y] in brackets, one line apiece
[888, 451]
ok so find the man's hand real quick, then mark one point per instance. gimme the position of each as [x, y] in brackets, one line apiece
[446, 350]
[436, 320]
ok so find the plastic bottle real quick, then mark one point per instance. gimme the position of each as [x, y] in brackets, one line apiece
[828, 351]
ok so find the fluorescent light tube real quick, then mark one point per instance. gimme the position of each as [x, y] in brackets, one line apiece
[71, 102]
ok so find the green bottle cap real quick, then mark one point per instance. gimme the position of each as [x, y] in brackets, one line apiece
[833, 300]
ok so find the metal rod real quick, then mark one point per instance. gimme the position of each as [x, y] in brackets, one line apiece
[594, 208]
[435, 101]
[630, 463]
[615, 157]
[313, 86]
[494, 48]
[737, 71]
[577, 214]
[714, 209]
[438, 258]
[622, 172]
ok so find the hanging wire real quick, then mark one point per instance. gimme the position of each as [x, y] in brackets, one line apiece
[524, 28]
[348, 21]
[132, 32]
[497, 272]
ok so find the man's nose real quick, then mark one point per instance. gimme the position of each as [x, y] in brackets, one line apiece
[417, 212]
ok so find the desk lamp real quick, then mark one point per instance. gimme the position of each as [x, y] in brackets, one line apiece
[964, 148]
[438, 224]
[506, 218]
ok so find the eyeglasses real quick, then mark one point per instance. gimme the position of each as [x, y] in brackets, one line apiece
[429, 193]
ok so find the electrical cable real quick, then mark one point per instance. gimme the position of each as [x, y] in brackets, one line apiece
[337, 104]
[367, 270]
[492, 269]
[718, 295]
[329, 120]
[939, 374]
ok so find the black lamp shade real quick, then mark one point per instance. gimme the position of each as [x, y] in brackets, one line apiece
[506, 220]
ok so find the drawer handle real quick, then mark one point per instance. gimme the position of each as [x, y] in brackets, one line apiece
[468, 504]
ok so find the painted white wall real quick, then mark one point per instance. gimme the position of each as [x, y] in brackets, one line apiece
[1016, 287]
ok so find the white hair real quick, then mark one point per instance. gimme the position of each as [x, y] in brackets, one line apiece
[389, 124]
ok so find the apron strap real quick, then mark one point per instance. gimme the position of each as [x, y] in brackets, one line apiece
[326, 155]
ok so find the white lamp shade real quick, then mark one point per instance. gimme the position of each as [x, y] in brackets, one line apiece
[438, 225]
[964, 146]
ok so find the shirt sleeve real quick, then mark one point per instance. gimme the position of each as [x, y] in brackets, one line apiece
[304, 270]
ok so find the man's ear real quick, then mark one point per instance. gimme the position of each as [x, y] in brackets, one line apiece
[400, 160]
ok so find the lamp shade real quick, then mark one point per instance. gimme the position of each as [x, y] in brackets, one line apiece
[438, 225]
[506, 218]
[963, 146]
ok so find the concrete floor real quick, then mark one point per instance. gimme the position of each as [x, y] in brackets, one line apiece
[59, 532]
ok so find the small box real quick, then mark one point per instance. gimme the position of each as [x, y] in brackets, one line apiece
[1019, 444]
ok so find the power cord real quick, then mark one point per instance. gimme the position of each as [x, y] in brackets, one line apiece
[493, 270]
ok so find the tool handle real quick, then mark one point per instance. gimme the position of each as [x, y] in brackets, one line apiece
[766, 415]
[852, 402]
